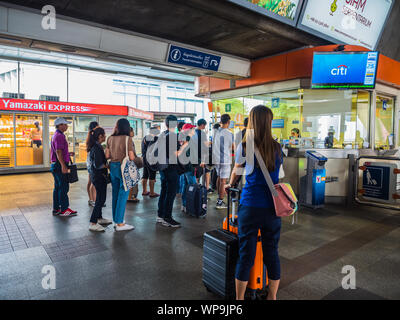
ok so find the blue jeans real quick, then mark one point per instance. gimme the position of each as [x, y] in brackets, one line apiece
[250, 220]
[169, 185]
[188, 178]
[119, 195]
[61, 188]
[181, 182]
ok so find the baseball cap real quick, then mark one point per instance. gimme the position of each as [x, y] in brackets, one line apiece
[61, 120]
[188, 126]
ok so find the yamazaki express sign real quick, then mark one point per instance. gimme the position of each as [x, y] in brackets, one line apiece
[61, 107]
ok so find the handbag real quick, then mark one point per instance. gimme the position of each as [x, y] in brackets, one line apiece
[285, 201]
[129, 171]
[72, 175]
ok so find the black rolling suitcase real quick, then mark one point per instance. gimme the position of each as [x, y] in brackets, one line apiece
[196, 200]
[220, 254]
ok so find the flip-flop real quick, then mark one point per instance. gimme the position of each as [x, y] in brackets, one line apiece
[155, 195]
[145, 194]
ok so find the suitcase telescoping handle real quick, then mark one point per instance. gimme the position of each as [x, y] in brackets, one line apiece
[232, 193]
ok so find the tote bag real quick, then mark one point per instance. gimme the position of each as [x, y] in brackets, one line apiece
[285, 201]
[129, 171]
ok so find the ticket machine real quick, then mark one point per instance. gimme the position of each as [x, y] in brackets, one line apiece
[312, 185]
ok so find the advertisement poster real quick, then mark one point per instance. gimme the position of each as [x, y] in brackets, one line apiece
[356, 22]
[285, 10]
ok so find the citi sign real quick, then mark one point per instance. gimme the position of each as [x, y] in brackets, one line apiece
[339, 71]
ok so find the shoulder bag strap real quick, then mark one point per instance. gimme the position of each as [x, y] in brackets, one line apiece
[126, 146]
[265, 172]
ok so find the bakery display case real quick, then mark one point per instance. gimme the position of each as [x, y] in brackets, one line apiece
[6, 140]
[28, 137]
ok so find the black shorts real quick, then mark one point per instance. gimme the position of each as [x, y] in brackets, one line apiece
[149, 174]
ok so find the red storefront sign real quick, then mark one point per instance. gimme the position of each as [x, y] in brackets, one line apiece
[136, 113]
[18, 105]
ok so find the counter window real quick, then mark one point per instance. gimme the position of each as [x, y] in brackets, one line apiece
[29, 139]
[384, 137]
[6, 141]
[335, 119]
[81, 132]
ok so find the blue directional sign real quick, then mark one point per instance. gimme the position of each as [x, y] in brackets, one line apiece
[192, 58]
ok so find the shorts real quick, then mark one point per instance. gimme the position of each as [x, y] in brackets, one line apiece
[148, 173]
[223, 170]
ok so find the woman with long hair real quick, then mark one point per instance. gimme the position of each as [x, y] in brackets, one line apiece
[36, 135]
[256, 210]
[98, 174]
[116, 152]
[90, 188]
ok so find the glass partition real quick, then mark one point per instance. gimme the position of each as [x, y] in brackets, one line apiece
[80, 134]
[29, 138]
[6, 140]
[384, 129]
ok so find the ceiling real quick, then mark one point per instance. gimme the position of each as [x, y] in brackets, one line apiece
[216, 25]
[213, 24]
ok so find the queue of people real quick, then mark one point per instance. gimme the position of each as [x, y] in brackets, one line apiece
[256, 210]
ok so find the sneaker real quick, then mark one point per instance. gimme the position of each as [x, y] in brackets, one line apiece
[221, 205]
[91, 203]
[210, 190]
[104, 221]
[159, 220]
[96, 227]
[125, 227]
[68, 213]
[56, 212]
[171, 223]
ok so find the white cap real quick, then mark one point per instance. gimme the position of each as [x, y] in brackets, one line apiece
[60, 120]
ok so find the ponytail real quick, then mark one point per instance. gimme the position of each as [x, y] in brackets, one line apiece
[93, 137]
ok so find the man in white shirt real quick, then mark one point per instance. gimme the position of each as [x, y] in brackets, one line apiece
[223, 148]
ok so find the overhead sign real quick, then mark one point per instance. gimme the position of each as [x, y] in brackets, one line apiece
[286, 11]
[18, 105]
[140, 114]
[344, 70]
[357, 22]
[275, 103]
[192, 58]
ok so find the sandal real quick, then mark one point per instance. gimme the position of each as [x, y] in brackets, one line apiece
[154, 195]
[145, 194]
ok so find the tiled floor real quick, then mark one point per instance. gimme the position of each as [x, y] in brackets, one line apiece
[153, 262]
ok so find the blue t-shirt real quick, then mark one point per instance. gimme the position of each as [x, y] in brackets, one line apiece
[256, 192]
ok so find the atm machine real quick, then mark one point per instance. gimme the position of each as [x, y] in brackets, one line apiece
[312, 185]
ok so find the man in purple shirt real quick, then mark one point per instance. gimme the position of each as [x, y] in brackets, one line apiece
[60, 157]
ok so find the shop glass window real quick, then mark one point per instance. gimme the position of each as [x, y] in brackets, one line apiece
[40, 80]
[144, 103]
[8, 77]
[92, 87]
[69, 134]
[190, 107]
[180, 106]
[335, 119]
[155, 91]
[181, 94]
[170, 106]
[6, 140]
[81, 131]
[29, 139]
[384, 137]
[143, 90]
[154, 104]
[131, 100]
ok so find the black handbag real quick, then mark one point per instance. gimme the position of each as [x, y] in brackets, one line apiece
[73, 173]
[107, 177]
